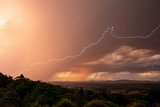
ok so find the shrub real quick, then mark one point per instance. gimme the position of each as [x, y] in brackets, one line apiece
[111, 104]
[66, 103]
[95, 103]
[139, 104]
[38, 105]
[157, 105]
[119, 99]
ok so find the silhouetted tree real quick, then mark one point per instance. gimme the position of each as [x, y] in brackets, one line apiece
[5, 80]
[81, 91]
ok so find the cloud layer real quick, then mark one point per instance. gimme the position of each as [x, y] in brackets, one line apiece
[124, 63]
[127, 59]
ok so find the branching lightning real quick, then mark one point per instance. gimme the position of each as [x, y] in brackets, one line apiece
[109, 29]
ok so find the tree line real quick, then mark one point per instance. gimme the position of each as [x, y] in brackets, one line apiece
[23, 92]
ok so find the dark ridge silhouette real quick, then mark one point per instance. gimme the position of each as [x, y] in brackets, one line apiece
[23, 92]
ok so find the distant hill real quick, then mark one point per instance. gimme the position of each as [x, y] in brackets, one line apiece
[109, 84]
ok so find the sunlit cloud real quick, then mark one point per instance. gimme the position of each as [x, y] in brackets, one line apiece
[100, 76]
[151, 75]
[72, 75]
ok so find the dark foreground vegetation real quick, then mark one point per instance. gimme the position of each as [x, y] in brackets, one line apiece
[23, 92]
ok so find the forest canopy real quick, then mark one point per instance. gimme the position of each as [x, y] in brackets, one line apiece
[22, 91]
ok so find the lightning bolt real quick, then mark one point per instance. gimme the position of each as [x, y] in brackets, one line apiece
[109, 29]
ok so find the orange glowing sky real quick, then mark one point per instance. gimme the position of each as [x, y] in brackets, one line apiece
[37, 30]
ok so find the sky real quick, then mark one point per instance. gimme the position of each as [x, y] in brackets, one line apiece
[33, 33]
